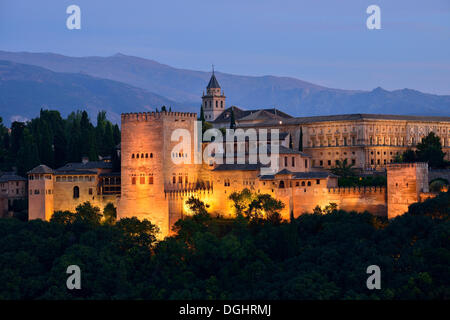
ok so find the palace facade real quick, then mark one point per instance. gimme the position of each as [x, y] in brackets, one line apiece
[153, 186]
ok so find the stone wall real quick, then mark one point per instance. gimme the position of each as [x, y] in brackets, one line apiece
[147, 168]
[406, 181]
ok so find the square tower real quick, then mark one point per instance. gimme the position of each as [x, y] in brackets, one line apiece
[405, 183]
[213, 103]
[147, 167]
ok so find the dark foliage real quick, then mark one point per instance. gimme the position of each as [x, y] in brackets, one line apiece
[428, 150]
[316, 256]
[54, 141]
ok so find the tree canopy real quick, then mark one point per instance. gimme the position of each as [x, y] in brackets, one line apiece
[428, 150]
[51, 140]
[321, 255]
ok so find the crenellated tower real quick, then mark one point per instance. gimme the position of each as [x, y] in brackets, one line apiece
[151, 165]
[213, 102]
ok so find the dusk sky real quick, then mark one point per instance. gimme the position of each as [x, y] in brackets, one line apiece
[323, 42]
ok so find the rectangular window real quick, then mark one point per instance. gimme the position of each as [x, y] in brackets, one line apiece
[285, 161]
[150, 180]
[90, 191]
[318, 181]
[142, 180]
[293, 161]
[306, 163]
[133, 180]
[321, 163]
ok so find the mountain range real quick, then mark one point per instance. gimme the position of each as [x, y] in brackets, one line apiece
[122, 83]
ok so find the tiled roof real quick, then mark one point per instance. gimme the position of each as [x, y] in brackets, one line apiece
[284, 150]
[86, 166]
[213, 83]
[73, 172]
[284, 171]
[41, 169]
[351, 117]
[242, 115]
[240, 167]
[300, 175]
[11, 177]
[313, 175]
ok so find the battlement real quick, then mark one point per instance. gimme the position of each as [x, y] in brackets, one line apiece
[398, 166]
[356, 190]
[175, 194]
[147, 116]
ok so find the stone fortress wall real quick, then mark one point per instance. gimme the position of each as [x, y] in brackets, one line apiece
[158, 175]
[369, 142]
[156, 188]
[405, 182]
[147, 169]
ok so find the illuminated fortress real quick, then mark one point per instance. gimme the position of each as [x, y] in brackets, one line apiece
[153, 186]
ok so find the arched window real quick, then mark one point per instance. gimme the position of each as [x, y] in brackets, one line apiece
[151, 155]
[309, 183]
[132, 156]
[281, 186]
[303, 183]
[217, 104]
[221, 104]
[76, 192]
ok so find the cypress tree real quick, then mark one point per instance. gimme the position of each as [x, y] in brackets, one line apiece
[232, 121]
[202, 115]
[300, 140]
[27, 156]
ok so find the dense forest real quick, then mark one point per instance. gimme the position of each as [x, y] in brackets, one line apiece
[51, 140]
[323, 255]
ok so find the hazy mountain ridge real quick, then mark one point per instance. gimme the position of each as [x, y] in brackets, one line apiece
[25, 89]
[294, 96]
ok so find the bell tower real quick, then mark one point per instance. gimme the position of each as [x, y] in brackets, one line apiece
[213, 102]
